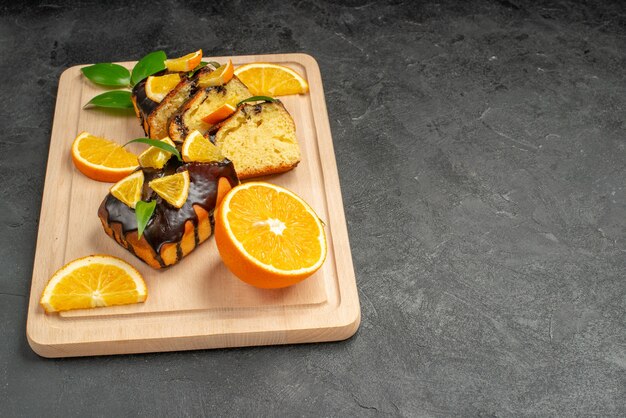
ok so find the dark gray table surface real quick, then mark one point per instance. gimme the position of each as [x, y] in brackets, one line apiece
[482, 156]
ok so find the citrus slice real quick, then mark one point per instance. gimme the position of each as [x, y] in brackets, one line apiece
[184, 63]
[269, 237]
[220, 76]
[101, 159]
[157, 87]
[267, 79]
[219, 114]
[199, 149]
[93, 281]
[155, 157]
[128, 190]
[174, 189]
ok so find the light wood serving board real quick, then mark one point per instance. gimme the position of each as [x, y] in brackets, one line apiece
[197, 303]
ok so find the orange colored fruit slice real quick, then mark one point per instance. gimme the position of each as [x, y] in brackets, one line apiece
[184, 63]
[155, 157]
[157, 87]
[101, 159]
[174, 189]
[219, 114]
[199, 149]
[93, 281]
[268, 236]
[129, 189]
[222, 75]
[267, 79]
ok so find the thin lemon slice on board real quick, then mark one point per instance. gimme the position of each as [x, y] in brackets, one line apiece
[93, 281]
[102, 159]
[267, 79]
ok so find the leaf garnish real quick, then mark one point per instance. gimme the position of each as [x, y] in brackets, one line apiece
[148, 65]
[158, 144]
[257, 99]
[195, 70]
[143, 213]
[117, 99]
[107, 74]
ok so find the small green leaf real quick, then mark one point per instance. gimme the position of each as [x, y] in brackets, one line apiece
[118, 99]
[143, 213]
[158, 144]
[148, 65]
[195, 70]
[107, 74]
[215, 64]
[257, 99]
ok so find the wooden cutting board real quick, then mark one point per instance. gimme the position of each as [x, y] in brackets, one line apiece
[197, 303]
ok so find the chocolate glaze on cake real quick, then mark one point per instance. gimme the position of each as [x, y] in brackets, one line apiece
[167, 224]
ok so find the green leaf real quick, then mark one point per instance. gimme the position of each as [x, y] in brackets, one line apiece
[148, 65]
[158, 144]
[107, 74]
[195, 70]
[143, 213]
[257, 99]
[215, 64]
[117, 99]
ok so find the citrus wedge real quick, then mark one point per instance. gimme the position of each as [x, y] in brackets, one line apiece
[174, 189]
[128, 190]
[269, 237]
[101, 159]
[267, 79]
[220, 76]
[155, 157]
[93, 281]
[219, 114]
[157, 87]
[199, 149]
[184, 63]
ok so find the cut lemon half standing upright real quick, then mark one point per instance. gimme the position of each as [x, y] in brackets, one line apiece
[155, 157]
[93, 281]
[222, 75]
[185, 63]
[157, 87]
[174, 189]
[197, 148]
[267, 79]
[101, 159]
[268, 236]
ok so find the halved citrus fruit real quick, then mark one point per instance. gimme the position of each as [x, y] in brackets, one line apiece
[220, 76]
[101, 159]
[267, 79]
[174, 189]
[157, 87]
[219, 114]
[269, 237]
[199, 149]
[93, 281]
[155, 157]
[185, 63]
[128, 190]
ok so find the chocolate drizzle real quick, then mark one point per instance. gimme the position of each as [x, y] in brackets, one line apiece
[167, 224]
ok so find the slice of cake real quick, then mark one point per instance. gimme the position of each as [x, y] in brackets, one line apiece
[202, 104]
[155, 116]
[171, 232]
[260, 139]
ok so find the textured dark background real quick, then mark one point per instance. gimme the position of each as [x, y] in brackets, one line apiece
[481, 150]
